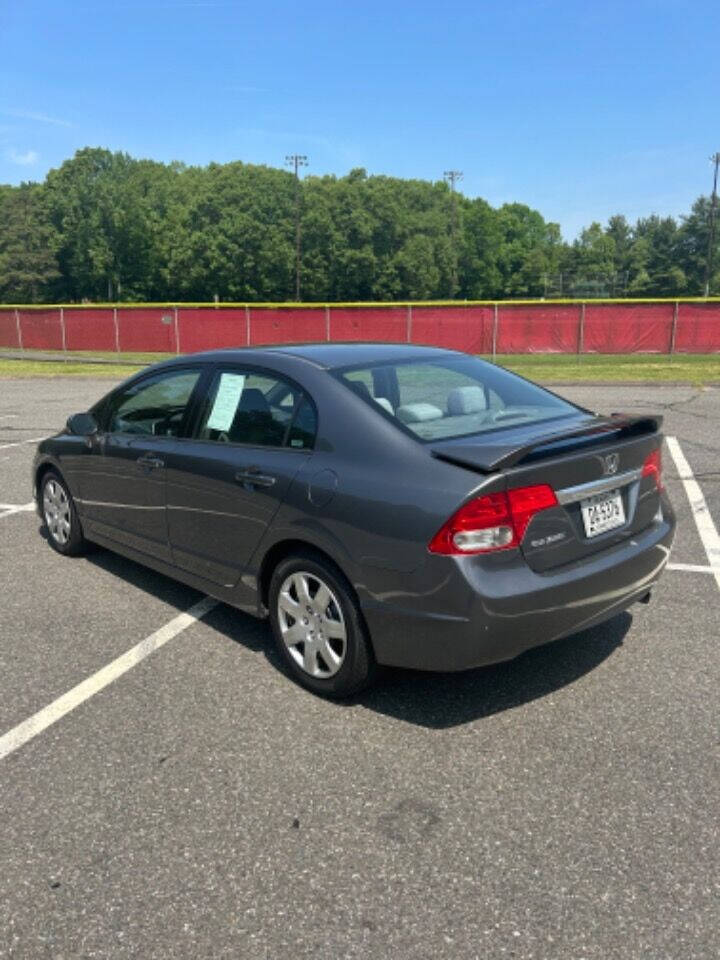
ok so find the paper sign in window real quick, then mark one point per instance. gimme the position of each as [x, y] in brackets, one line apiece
[226, 402]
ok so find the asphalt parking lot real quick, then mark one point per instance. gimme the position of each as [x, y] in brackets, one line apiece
[563, 805]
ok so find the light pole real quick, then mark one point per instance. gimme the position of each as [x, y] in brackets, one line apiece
[451, 177]
[711, 240]
[297, 160]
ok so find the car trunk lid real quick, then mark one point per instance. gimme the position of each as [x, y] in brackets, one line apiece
[595, 466]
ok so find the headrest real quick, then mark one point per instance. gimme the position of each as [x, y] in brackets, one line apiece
[466, 400]
[418, 412]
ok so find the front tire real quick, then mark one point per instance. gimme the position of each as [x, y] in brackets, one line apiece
[318, 627]
[60, 515]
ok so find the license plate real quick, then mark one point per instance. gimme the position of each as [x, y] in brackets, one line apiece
[602, 512]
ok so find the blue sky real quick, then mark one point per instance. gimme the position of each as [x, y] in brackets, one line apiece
[580, 109]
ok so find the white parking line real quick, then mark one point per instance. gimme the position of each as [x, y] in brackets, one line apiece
[56, 710]
[19, 443]
[703, 520]
[7, 509]
[693, 567]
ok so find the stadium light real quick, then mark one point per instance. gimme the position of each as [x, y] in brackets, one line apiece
[452, 177]
[711, 239]
[297, 160]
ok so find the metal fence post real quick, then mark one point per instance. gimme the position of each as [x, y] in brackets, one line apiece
[327, 323]
[673, 329]
[495, 331]
[177, 329]
[117, 330]
[581, 329]
[62, 330]
[19, 329]
[247, 324]
[409, 323]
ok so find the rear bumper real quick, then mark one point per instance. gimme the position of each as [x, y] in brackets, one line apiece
[462, 612]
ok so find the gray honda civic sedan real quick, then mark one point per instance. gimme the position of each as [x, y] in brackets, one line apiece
[382, 504]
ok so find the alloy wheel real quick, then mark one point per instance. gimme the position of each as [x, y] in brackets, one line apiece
[56, 508]
[312, 624]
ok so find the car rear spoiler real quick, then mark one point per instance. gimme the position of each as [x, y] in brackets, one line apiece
[493, 455]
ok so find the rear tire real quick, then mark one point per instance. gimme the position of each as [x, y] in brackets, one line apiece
[319, 630]
[60, 515]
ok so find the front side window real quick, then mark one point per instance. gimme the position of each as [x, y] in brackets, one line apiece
[155, 405]
[453, 397]
[260, 410]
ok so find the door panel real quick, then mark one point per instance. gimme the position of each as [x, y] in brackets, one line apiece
[220, 500]
[224, 486]
[122, 485]
[123, 492]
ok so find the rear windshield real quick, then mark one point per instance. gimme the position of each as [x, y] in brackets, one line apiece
[453, 397]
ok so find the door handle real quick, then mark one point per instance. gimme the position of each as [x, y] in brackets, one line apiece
[253, 477]
[147, 460]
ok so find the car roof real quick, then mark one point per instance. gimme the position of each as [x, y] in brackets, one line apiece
[328, 355]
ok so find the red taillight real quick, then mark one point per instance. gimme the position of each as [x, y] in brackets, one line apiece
[525, 502]
[495, 521]
[653, 467]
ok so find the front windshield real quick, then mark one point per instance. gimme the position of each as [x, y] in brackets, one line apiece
[453, 397]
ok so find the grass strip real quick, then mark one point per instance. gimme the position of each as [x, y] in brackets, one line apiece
[697, 369]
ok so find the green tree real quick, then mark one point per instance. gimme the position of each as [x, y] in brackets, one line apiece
[693, 239]
[99, 203]
[28, 265]
[480, 275]
[665, 273]
[529, 250]
[107, 226]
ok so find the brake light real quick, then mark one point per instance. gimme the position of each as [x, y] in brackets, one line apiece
[495, 521]
[525, 502]
[653, 467]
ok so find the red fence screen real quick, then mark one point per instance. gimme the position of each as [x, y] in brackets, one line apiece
[457, 328]
[534, 327]
[629, 328]
[388, 324]
[41, 329]
[90, 329]
[698, 328]
[287, 325]
[538, 328]
[201, 328]
[9, 329]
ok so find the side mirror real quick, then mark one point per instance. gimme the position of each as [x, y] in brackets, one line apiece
[82, 424]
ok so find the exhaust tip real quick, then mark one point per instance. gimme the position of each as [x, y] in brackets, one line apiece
[646, 598]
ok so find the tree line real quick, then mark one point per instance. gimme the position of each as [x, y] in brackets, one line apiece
[105, 226]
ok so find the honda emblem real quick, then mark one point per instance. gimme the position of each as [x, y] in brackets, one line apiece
[610, 464]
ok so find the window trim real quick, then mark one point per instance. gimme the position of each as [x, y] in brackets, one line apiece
[200, 407]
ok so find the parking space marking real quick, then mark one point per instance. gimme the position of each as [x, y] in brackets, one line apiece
[19, 443]
[701, 513]
[7, 509]
[693, 567]
[56, 710]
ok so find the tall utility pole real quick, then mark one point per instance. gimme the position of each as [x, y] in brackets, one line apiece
[451, 177]
[297, 160]
[711, 240]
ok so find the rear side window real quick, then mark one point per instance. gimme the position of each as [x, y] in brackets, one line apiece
[304, 426]
[454, 397]
[249, 408]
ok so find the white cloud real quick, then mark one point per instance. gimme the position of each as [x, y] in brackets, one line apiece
[37, 117]
[26, 159]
